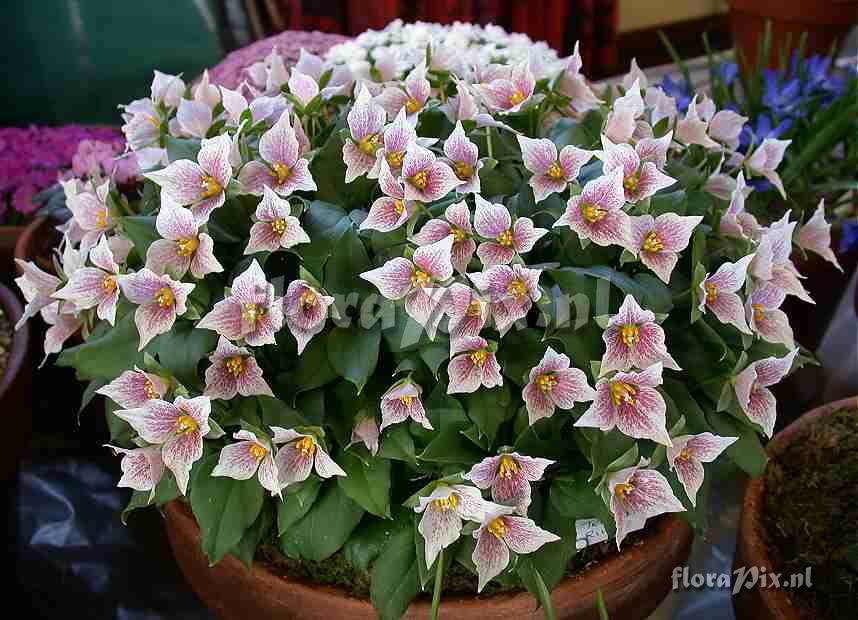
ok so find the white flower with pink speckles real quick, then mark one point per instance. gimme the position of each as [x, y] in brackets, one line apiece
[396, 139]
[305, 310]
[443, 511]
[472, 364]
[574, 85]
[159, 299]
[246, 457]
[552, 172]
[183, 248]
[633, 339]
[509, 476]
[366, 431]
[275, 226]
[463, 156]
[815, 236]
[202, 184]
[134, 388]
[390, 211]
[765, 160]
[38, 288]
[718, 293]
[417, 282]
[402, 403]
[456, 222]
[641, 179]
[250, 312]
[95, 287]
[234, 371]
[508, 94]
[366, 123]
[736, 221]
[281, 167]
[765, 318]
[630, 402]
[177, 427]
[657, 241]
[687, 455]
[91, 214]
[468, 312]
[411, 95]
[426, 179]
[142, 468]
[597, 212]
[499, 533]
[753, 393]
[511, 289]
[299, 456]
[494, 222]
[552, 383]
[638, 494]
[693, 128]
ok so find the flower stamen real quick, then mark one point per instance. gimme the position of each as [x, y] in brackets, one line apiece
[308, 300]
[652, 243]
[497, 527]
[505, 238]
[368, 145]
[394, 158]
[165, 298]
[623, 489]
[210, 186]
[463, 171]
[420, 278]
[306, 446]
[279, 226]
[516, 97]
[447, 503]
[412, 105]
[508, 467]
[109, 284]
[592, 213]
[711, 292]
[517, 288]
[185, 425]
[555, 172]
[257, 451]
[281, 172]
[547, 382]
[420, 180]
[478, 358]
[622, 393]
[631, 334]
[235, 365]
[186, 247]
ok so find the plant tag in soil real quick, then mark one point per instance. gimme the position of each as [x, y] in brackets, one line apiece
[589, 532]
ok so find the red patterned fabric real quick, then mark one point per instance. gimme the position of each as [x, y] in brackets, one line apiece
[559, 22]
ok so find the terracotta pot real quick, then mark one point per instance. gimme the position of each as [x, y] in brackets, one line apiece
[633, 584]
[8, 238]
[824, 21]
[751, 550]
[15, 384]
[37, 241]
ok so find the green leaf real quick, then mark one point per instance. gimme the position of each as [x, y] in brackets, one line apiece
[353, 352]
[370, 537]
[313, 370]
[488, 409]
[325, 528]
[395, 580]
[748, 453]
[325, 223]
[181, 349]
[181, 148]
[584, 133]
[435, 354]
[223, 507]
[575, 497]
[277, 413]
[450, 446]
[519, 351]
[245, 550]
[165, 491]
[141, 231]
[347, 261]
[107, 355]
[397, 443]
[368, 483]
[297, 503]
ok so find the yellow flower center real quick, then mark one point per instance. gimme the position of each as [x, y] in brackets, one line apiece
[153, 120]
[186, 247]
[631, 334]
[478, 358]
[281, 172]
[151, 392]
[505, 238]
[308, 300]
[109, 284]
[406, 400]
[498, 527]
[306, 446]
[711, 292]
[394, 159]
[652, 243]
[475, 308]
[420, 278]
[759, 312]
[210, 187]
[399, 206]
[186, 425]
[684, 455]
[623, 489]
[235, 365]
[279, 226]
[165, 297]
[517, 288]
[516, 97]
[546, 382]
[459, 235]
[463, 171]
[257, 451]
[555, 172]
[420, 180]
[508, 467]
[412, 105]
[447, 503]
[252, 312]
[369, 144]
[631, 183]
[101, 219]
[592, 213]
[622, 392]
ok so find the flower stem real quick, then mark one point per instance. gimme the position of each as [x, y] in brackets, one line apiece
[439, 577]
[489, 141]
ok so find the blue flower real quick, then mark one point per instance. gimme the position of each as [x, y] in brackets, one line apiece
[763, 129]
[782, 96]
[728, 72]
[849, 236]
[679, 90]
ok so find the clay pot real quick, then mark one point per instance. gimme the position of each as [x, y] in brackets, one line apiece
[751, 550]
[15, 388]
[633, 583]
[37, 241]
[8, 238]
[826, 22]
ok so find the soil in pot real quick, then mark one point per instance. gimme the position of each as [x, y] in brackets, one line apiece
[811, 514]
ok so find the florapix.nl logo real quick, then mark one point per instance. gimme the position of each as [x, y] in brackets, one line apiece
[747, 577]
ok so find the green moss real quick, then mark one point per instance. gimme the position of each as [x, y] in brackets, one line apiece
[811, 515]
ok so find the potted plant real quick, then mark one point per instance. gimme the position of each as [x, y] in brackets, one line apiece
[15, 377]
[426, 331]
[798, 519]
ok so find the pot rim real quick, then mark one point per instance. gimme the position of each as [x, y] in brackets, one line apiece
[24, 243]
[669, 534]
[20, 339]
[751, 546]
